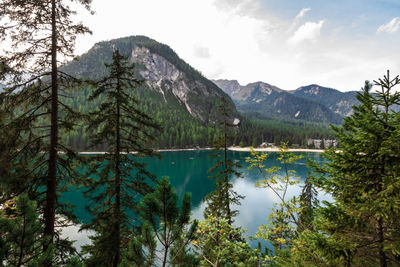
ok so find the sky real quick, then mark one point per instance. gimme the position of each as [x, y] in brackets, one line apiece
[286, 43]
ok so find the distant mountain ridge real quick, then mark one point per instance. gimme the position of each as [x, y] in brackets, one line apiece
[339, 102]
[311, 103]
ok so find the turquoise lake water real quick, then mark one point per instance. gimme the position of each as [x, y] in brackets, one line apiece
[188, 173]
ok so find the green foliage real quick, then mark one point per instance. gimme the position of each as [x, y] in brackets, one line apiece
[216, 233]
[21, 242]
[220, 201]
[308, 203]
[37, 33]
[122, 128]
[182, 130]
[284, 220]
[360, 228]
[364, 180]
[164, 220]
[142, 249]
[255, 129]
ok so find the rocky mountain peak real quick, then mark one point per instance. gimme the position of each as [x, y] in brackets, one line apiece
[163, 71]
[231, 87]
[339, 102]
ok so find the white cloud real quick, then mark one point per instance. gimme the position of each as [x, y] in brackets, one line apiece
[241, 40]
[391, 27]
[227, 4]
[308, 31]
[302, 13]
[242, 7]
[201, 52]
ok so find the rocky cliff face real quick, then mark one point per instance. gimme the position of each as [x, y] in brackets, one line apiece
[250, 92]
[165, 77]
[257, 91]
[231, 87]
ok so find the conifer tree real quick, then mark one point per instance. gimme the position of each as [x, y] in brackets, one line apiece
[364, 179]
[308, 203]
[216, 247]
[165, 221]
[21, 231]
[221, 200]
[4, 152]
[41, 34]
[125, 132]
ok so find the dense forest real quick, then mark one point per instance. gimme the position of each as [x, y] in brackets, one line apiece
[137, 218]
[181, 130]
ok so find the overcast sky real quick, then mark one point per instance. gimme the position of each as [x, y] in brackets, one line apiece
[287, 43]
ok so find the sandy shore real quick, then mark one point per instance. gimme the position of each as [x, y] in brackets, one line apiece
[158, 150]
[184, 149]
[243, 149]
[276, 149]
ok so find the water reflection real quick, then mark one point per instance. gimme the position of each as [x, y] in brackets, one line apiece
[188, 172]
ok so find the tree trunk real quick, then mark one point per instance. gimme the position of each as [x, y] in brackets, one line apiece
[49, 210]
[226, 178]
[21, 244]
[383, 260]
[117, 219]
[165, 257]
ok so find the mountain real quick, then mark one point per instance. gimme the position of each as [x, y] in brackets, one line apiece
[180, 99]
[339, 102]
[271, 101]
[165, 73]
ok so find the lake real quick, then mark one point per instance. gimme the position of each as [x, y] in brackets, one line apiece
[188, 173]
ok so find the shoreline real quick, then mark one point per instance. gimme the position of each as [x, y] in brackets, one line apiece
[240, 149]
[276, 149]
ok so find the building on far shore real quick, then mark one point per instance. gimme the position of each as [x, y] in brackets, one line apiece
[317, 143]
[335, 143]
[310, 142]
[322, 143]
[327, 143]
[265, 145]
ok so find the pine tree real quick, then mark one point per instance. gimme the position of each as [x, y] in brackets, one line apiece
[21, 233]
[221, 200]
[364, 180]
[165, 221]
[126, 132]
[40, 32]
[216, 233]
[6, 143]
[308, 203]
